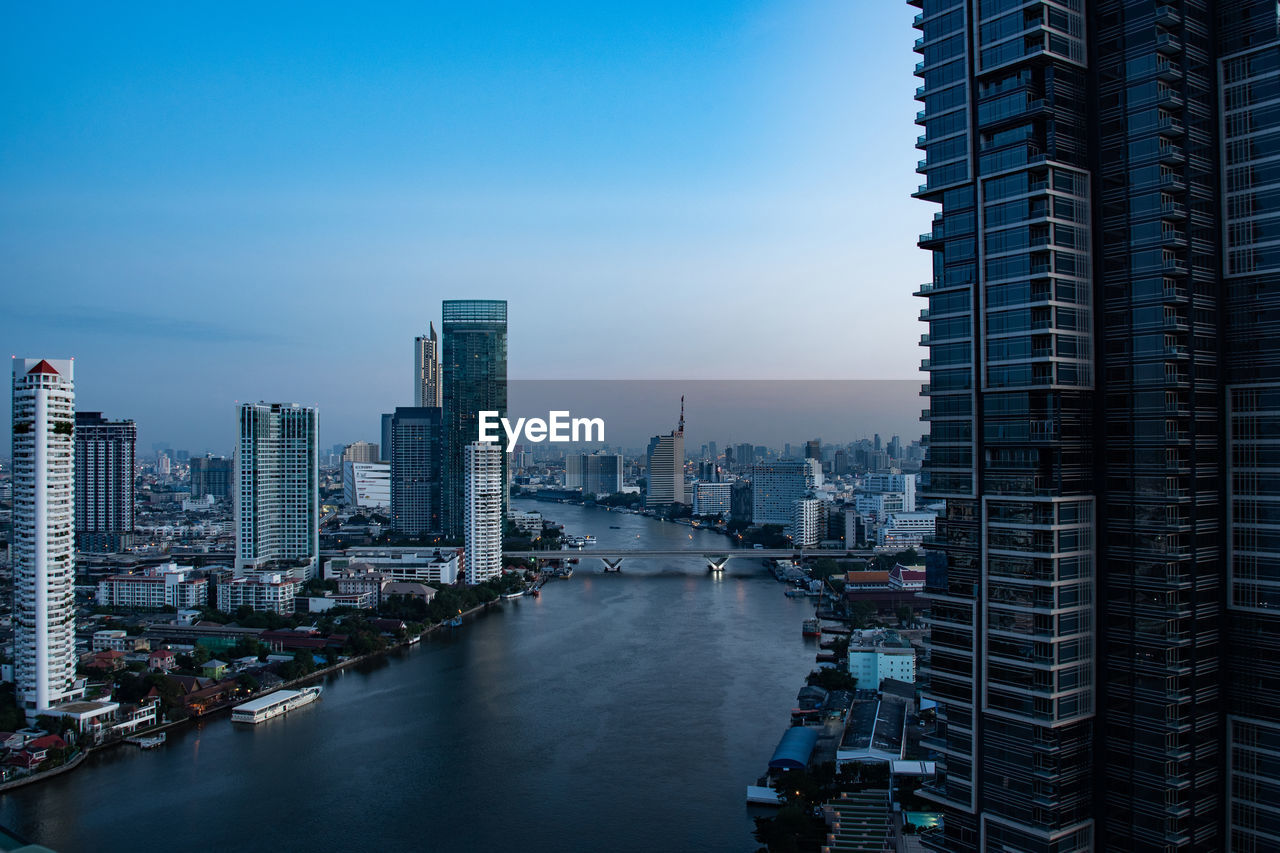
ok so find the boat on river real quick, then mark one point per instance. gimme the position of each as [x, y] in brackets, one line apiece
[274, 705]
[811, 628]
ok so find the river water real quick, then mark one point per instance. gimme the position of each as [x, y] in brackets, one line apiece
[622, 712]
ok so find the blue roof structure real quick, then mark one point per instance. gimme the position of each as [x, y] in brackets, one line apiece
[794, 749]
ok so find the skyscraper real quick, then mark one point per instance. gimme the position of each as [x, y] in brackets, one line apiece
[664, 472]
[426, 370]
[277, 500]
[416, 462]
[211, 475]
[777, 486]
[474, 373]
[105, 453]
[44, 644]
[482, 518]
[1083, 348]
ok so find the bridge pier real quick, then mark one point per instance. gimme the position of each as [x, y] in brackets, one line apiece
[716, 563]
[612, 565]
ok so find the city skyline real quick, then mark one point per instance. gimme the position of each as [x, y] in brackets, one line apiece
[734, 177]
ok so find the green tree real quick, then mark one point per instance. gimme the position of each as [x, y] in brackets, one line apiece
[905, 614]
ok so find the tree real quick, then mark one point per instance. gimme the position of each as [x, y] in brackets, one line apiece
[830, 678]
[861, 613]
[905, 614]
[248, 683]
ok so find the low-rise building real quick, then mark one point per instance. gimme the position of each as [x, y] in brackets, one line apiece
[272, 593]
[528, 523]
[162, 660]
[904, 530]
[169, 585]
[875, 655]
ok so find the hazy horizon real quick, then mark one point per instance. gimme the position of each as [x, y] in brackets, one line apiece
[201, 212]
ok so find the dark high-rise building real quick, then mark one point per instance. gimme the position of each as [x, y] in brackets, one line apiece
[211, 475]
[813, 449]
[744, 455]
[417, 450]
[384, 450]
[1103, 319]
[104, 462]
[474, 372]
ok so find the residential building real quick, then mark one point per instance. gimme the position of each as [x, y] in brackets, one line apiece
[776, 486]
[426, 370]
[482, 544]
[903, 484]
[277, 500]
[528, 523]
[105, 453]
[710, 499]
[1103, 358]
[168, 585]
[270, 592]
[474, 374]
[361, 451]
[211, 476]
[43, 545]
[809, 522]
[417, 445]
[366, 484]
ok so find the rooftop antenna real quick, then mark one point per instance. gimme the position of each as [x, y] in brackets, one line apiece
[680, 429]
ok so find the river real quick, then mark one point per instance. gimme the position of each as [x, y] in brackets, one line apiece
[622, 712]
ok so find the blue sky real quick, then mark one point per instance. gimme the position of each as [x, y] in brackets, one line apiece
[205, 204]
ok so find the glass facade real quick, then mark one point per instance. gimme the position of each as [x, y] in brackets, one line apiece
[474, 371]
[1102, 168]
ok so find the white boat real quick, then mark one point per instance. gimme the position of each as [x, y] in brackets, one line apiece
[274, 704]
[512, 594]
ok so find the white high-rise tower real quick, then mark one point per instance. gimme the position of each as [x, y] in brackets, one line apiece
[44, 413]
[483, 512]
[277, 495]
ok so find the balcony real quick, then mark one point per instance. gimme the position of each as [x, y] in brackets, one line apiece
[1174, 209]
[1168, 44]
[1172, 154]
[1169, 124]
[1168, 70]
[1167, 16]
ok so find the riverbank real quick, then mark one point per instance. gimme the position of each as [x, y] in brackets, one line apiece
[309, 678]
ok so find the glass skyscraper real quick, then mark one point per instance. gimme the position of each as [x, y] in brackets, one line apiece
[416, 448]
[1102, 410]
[474, 374]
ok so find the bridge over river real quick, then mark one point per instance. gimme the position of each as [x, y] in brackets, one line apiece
[715, 557]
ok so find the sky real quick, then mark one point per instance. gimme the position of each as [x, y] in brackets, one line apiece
[209, 203]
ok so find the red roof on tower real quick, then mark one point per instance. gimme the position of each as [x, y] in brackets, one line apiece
[43, 367]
